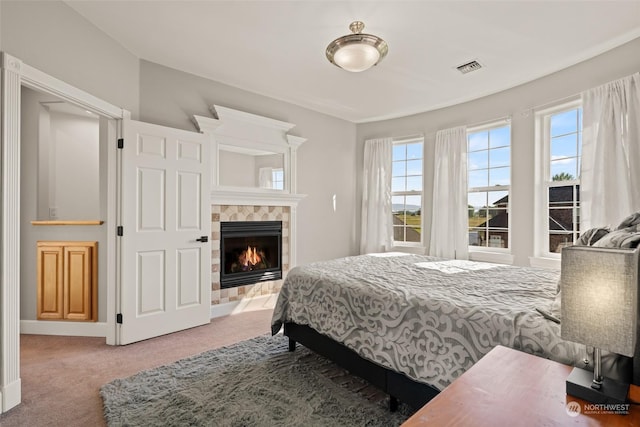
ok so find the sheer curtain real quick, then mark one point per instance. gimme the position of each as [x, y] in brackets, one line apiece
[449, 218]
[610, 171]
[377, 226]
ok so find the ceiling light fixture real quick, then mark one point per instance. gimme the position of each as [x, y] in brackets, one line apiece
[357, 52]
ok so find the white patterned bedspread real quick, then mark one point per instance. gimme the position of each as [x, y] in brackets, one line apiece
[426, 317]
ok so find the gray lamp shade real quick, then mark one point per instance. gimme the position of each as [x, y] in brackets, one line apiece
[600, 297]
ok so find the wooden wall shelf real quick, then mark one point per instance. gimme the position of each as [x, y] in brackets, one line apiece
[70, 222]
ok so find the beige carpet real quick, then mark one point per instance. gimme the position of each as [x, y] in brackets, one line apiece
[61, 376]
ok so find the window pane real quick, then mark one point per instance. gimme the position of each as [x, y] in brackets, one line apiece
[414, 167]
[498, 239]
[399, 168]
[499, 176]
[557, 241]
[498, 198]
[398, 184]
[414, 183]
[478, 141]
[564, 123]
[398, 233]
[564, 169]
[478, 178]
[477, 200]
[476, 236]
[499, 137]
[478, 160]
[414, 151]
[413, 203]
[499, 157]
[399, 151]
[413, 234]
[564, 146]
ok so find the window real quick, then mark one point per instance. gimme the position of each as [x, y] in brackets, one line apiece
[277, 179]
[562, 130]
[406, 191]
[489, 178]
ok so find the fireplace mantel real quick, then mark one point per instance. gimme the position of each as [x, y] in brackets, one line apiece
[250, 135]
[243, 197]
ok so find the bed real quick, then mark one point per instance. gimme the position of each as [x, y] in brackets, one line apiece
[411, 324]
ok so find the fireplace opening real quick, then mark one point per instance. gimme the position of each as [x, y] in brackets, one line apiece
[251, 252]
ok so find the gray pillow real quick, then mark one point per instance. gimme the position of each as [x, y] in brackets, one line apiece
[633, 219]
[591, 236]
[625, 238]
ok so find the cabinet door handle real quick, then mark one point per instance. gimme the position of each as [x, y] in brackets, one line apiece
[203, 239]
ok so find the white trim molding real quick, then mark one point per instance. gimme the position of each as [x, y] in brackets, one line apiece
[10, 383]
[72, 329]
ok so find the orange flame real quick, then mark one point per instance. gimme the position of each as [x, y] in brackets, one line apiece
[250, 257]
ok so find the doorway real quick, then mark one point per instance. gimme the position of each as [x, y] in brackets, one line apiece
[15, 76]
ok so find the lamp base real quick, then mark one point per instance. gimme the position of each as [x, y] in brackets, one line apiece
[579, 385]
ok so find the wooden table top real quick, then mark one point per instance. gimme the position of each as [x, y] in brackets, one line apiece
[511, 388]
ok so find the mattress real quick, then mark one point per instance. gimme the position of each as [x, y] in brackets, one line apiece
[428, 318]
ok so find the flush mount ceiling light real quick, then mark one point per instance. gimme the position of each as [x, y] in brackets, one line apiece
[356, 52]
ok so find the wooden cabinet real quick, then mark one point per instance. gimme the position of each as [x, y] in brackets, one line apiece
[67, 281]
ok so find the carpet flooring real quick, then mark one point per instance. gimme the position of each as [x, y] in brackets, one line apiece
[257, 382]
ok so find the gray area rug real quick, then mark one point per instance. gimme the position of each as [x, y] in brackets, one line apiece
[257, 382]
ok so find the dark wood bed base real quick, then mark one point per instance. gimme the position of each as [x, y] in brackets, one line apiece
[398, 386]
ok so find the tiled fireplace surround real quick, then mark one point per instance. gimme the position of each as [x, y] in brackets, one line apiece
[223, 213]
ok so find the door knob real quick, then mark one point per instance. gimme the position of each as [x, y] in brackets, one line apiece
[203, 239]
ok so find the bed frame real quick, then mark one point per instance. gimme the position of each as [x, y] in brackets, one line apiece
[398, 386]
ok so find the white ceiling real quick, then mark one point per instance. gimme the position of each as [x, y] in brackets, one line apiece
[276, 48]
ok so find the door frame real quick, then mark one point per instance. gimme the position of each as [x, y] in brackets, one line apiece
[13, 75]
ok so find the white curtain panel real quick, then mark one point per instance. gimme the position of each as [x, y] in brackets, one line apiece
[449, 218]
[610, 170]
[377, 222]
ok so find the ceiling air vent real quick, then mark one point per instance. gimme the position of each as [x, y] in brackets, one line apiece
[469, 67]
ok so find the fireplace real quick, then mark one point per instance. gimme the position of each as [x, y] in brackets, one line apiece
[251, 252]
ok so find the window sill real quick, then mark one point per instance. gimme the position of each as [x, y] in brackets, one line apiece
[545, 262]
[415, 248]
[486, 256]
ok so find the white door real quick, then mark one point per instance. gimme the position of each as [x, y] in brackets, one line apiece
[164, 253]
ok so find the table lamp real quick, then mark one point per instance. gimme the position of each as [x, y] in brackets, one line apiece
[599, 304]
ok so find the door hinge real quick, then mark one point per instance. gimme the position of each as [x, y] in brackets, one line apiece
[120, 230]
[121, 143]
[119, 318]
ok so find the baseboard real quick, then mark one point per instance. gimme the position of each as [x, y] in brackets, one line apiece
[73, 329]
[262, 302]
[11, 395]
[92, 329]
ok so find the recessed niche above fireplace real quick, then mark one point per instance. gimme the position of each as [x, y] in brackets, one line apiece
[250, 153]
[251, 252]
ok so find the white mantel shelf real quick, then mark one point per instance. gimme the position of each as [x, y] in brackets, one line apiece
[228, 196]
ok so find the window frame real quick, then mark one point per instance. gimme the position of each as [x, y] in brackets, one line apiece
[545, 182]
[481, 253]
[406, 141]
[274, 181]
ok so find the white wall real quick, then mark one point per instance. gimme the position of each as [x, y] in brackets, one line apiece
[53, 38]
[326, 162]
[519, 103]
[30, 234]
[236, 169]
[73, 178]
